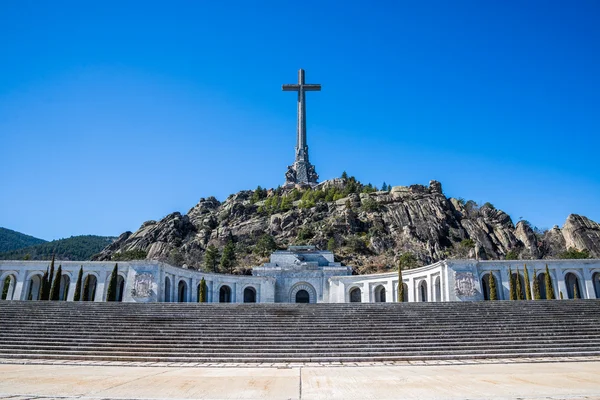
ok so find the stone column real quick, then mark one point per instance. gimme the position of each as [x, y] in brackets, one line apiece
[20, 286]
[559, 278]
[505, 287]
[174, 289]
[194, 289]
[364, 293]
[411, 291]
[588, 284]
[430, 291]
[100, 287]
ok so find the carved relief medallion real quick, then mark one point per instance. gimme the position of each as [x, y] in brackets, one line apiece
[464, 284]
[142, 286]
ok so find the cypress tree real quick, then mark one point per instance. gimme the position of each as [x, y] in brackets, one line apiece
[493, 290]
[527, 285]
[111, 292]
[575, 291]
[549, 288]
[400, 285]
[511, 280]
[55, 289]
[536, 286]
[202, 295]
[561, 295]
[77, 296]
[86, 289]
[518, 286]
[50, 279]
[44, 287]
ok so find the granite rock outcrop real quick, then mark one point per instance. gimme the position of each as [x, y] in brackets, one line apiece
[367, 230]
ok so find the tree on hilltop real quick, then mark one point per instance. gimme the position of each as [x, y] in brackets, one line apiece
[228, 258]
[211, 258]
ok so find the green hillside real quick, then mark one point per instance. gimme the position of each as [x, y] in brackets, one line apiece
[75, 248]
[12, 240]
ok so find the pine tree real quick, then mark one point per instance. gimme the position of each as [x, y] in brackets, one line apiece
[536, 287]
[518, 286]
[493, 290]
[549, 288]
[202, 294]
[44, 287]
[77, 295]
[211, 257]
[575, 291]
[86, 289]
[228, 257]
[55, 289]
[511, 280]
[400, 284]
[111, 292]
[527, 284]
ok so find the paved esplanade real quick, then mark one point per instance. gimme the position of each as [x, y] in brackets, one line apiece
[473, 380]
[301, 171]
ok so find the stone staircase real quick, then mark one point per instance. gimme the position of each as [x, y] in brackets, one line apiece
[185, 332]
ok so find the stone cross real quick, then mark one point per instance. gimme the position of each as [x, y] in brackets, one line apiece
[302, 171]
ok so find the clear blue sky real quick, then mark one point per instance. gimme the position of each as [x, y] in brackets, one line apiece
[117, 112]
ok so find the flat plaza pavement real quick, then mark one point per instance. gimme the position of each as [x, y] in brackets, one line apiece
[477, 379]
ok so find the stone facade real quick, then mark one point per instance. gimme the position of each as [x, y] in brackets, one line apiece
[300, 274]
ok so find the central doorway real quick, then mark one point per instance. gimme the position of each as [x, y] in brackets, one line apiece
[302, 296]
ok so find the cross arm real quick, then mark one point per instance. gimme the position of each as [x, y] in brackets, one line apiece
[290, 88]
[311, 87]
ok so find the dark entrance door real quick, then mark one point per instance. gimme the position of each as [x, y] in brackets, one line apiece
[302, 296]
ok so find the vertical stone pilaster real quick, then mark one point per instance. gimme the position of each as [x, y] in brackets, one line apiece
[588, 285]
[194, 290]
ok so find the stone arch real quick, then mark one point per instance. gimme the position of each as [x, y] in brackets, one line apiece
[438, 289]
[167, 289]
[379, 294]
[249, 294]
[485, 286]
[7, 286]
[572, 281]
[63, 291]
[91, 281]
[596, 281]
[423, 291]
[34, 285]
[355, 295]
[120, 287]
[224, 294]
[307, 287]
[405, 294]
[182, 291]
[541, 277]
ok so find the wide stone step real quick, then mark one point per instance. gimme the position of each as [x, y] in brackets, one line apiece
[303, 333]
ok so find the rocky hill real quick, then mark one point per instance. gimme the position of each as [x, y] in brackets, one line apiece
[369, 230]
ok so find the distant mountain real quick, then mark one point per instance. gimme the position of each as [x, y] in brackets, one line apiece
[77, 248]
[12, 240]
